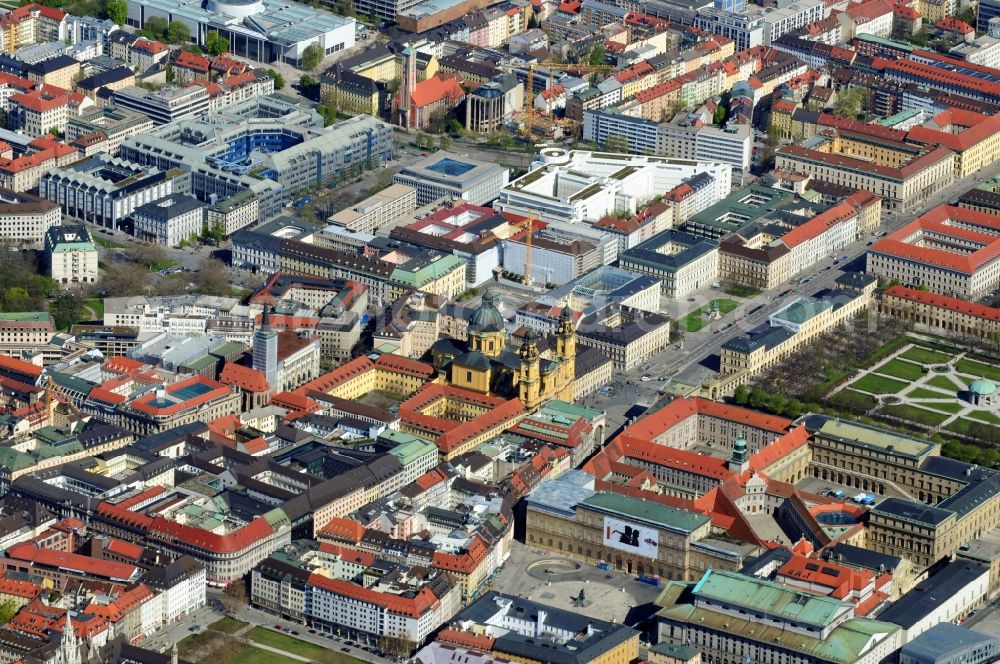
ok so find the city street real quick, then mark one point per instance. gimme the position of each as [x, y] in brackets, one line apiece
[698, 360]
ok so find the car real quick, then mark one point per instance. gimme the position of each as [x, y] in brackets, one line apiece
[646, 378]
[294, 633]
[277, 626]
[869, 244]
[312, 631]
[345, 649]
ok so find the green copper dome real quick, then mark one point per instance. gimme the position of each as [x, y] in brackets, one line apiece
[982, 387]
[487, 318]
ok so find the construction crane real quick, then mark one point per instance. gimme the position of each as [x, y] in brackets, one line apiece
[529, 95]
[51, 387]
[528, 223]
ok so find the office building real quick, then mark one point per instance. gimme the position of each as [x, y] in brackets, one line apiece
[451, 177]
[25, 331]
[946, 643]
[557, 255]
[378, 210]
[169, 220]
[681, 261]
[626, 336]
[104, 190]
[104, 129]
[579, 186]
[947, 595]
[168, 104]
[950, 251]
[941, 314]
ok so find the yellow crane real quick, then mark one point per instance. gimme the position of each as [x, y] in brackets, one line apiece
[527, 223]
[529, 96]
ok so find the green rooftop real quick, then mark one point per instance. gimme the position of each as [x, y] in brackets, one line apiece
[408, 448]
[426, 273]
[801, 310]
[769, 598]
[22, 316]
[647, 510]
[571, 410]
[878, 439]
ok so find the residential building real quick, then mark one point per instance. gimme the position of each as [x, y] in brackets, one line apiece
[59, 71]
[71, 255]
[112, 79]
[947, 595]
[40, 111]
[169, 220]
[25, 219]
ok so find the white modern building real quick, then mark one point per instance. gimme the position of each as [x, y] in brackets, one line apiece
[262, 30]
[452, 177]
[579, 186]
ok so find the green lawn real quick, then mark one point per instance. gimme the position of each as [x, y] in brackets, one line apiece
[878, 385]
[725, 306]
[944, 382]
[163, 265]
[984, 416]
[298, 647]
[741, 291]
[925, 356]
[107, 244]
[261, 656]
[228, 625]
[96, 305]
[901, 369]
[942, 407]
[913, 414]
[922, 393]
[693, 322]
[978, 369]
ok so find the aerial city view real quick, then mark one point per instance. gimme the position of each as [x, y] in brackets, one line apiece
[513, 331]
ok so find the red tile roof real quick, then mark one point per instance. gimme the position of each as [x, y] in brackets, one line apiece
[124, 549]
[348, 554]
[192, 61]
[31, 553]
[941, 222]
[148, 402]
[342, 529]
[245, 378]
[952, 24]
[412, 607]
[436, 88]
[862, 12]
[148, 46]
[944, 302]
[18, 588]
[819, 224]
[15, 365]
[478, 642]
[122, 365]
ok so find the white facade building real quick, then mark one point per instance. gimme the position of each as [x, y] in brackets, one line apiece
[579, 186]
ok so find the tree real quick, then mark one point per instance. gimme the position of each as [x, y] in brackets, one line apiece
[193, 48]
[117, 11]
[533, 22]
[851, 103]
[329, 112]
[147, 254]
[455, 127]
[741, 394]
[157, 27]
[444, 142]
[597, 54]
[308, 213]
[16, 298]
[7, 610]
[178, 32]
[920, 37]
[312, 56]
[719, 118]
[306, 82]
[124, 279]
[54, 131]
[616, 144]
[168, 71]
[68, 308]
[279, 80]
[215, 43]
[212, 278]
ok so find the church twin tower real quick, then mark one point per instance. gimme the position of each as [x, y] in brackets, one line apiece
[537, 378]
